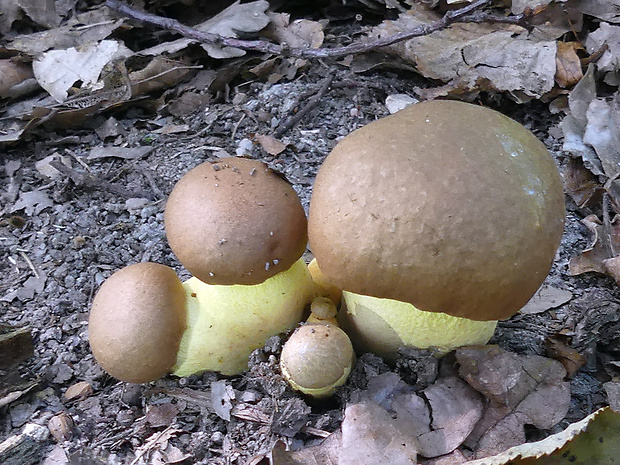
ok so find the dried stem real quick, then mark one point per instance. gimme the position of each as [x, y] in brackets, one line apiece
[465, 14]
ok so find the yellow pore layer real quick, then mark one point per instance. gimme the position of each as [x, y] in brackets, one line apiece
[226, 323]
[384, 325]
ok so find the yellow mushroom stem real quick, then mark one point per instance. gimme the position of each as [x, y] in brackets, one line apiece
[226, 323]
[322, 311]
[324, 287]
[383, 325]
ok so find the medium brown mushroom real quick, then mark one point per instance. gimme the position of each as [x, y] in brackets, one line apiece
[235, 221]
[436, 221]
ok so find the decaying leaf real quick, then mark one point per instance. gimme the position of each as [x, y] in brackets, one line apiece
[301, 33]
[568, 66]
[521, 390]
[570, 358]
[596, 258]
[580, 183]
[475, 57]
[127, 153]
[13, 75]
[606, 38]
[270, 144]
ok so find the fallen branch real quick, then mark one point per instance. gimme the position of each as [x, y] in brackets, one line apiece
[464, 14]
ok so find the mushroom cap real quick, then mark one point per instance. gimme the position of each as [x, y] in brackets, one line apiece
[235, 221]
[137, 321]
[449, 206]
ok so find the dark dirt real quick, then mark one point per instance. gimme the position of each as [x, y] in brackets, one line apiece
[54, 256]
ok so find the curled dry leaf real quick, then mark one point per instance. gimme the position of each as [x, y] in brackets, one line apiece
[568, 66]
[600, 256]
[13, 74]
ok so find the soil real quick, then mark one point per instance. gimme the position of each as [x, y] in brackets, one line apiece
[57, 252]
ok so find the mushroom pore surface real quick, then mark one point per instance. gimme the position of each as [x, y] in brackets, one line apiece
[235, 221]
[448, 206]
[137, 321]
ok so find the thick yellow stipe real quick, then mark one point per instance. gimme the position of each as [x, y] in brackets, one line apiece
[226, 323]
[384, 325]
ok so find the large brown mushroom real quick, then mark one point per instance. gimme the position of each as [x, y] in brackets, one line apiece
[436, 221]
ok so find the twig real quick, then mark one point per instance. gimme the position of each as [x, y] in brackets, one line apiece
[291, 121]
[453, 16]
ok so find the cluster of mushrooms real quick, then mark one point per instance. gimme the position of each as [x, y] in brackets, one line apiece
[428, 225]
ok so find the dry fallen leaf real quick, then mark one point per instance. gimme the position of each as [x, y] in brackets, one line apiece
[58, 70]
[370, 434]
[568, 66]
[546, 297]
[475, 57]
[237, 18]
[521, 389]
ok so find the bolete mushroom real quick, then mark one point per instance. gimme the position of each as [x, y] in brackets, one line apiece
[241, 228]
[436, 221]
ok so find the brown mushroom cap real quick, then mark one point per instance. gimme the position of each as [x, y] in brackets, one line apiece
[137, 321]
[449, 206]
[235, 221]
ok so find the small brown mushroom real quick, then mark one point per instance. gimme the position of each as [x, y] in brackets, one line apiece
[137, 321]
[317, 359]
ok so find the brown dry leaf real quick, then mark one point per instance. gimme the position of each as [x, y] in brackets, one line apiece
[13, 76]
[80, 390]
[599, 256]
[570, 358]
[592, 440]
[301, 33]
[370, 434]
[442, 425]
[100, 23]
[159, 73]
[162, 414]
[11, 12]
[568, 66]
[606, 38]
[127, 153]
[579, 182]
[270, 144]
[475, 57]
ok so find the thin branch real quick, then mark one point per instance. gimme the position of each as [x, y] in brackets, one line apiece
[464, 14]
